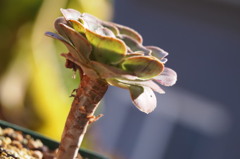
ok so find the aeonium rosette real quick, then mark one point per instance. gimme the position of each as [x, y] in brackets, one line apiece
[115, 53]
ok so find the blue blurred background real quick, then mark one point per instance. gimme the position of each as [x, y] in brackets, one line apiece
[196, 119]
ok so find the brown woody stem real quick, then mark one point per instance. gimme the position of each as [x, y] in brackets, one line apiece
[88, 96]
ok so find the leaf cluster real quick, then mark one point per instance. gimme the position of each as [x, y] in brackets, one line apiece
[115, 53]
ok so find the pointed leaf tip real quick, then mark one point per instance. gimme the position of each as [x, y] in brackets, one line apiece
[144, 67]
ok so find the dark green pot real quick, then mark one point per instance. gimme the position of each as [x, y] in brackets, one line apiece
[48, 142]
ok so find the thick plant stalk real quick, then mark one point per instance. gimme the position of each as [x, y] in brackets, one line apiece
[86, 100]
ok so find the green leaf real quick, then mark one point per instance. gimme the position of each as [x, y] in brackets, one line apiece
[106, 71]
[78, 26]
[80, 43]
[143, 98]
[144, 67]
[123, 30]
[107, 50]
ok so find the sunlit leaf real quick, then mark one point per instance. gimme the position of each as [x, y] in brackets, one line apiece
[143, 66]
[71, 14]
[107, 50]
[143, 98]
[78, 26]
[167, 78]
[91, 22]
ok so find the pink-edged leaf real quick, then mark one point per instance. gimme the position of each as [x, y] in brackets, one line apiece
[80, 43]
[58, 21]
[167, 78]
[145, 67]
[124, 30]
[157, 52]
[134, 45]
[143, 98]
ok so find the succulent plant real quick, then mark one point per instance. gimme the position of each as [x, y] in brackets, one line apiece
[106, 53]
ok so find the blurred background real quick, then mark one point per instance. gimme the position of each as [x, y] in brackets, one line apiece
[196, 119]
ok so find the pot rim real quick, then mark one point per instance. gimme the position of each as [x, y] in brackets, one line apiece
[52, 144]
